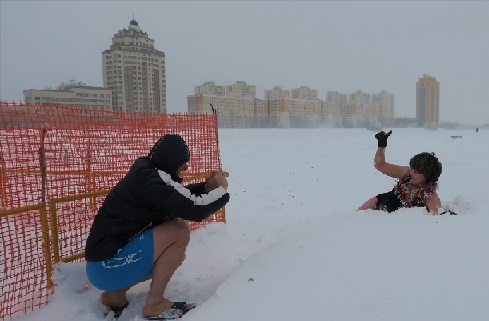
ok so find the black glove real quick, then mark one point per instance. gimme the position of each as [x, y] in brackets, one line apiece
[382, 138]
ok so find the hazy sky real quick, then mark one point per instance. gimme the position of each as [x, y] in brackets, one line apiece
[325, 45]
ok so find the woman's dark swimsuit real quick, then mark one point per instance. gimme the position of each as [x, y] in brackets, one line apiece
[388, 202]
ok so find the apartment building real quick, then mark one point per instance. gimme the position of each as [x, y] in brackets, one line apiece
[135, 72]
[336, 109]
[356, 111]
[305, 93]
[360, 109]
[428, 102]
[359, 98]
[385, 103]
[276, 92]
[71, 95]
[236, 105]
[242, 89]
[299, 107]
[210, 88]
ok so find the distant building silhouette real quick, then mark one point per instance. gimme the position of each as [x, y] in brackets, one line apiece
[237, 107]
[135, 71]
[235, 104]
[299, 107]
[428, 102]
[71, 94]
[359, 109]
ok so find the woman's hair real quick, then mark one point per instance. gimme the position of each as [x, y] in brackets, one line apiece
[428, 165]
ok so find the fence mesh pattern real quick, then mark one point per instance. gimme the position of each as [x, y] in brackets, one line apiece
[57, 164]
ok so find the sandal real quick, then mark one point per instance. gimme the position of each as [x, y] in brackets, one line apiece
[117, 310]
[176, 311]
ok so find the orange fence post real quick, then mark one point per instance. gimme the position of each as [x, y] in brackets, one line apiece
[3, 185]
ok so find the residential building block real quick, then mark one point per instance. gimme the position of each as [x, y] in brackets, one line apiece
[135, 72]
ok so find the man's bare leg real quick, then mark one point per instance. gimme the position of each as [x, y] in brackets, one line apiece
[170, 243]
[114, 299]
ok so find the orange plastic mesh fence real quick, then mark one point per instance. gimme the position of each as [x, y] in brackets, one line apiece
[57, 163]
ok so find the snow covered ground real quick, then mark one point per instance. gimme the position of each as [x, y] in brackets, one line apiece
[295, 248]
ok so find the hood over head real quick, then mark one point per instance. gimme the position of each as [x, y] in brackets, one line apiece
[169, 153]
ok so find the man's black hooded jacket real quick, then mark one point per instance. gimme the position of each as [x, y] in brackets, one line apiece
[150, 194]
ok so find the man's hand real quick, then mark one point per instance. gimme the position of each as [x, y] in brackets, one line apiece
[216, 179]
[382, 138]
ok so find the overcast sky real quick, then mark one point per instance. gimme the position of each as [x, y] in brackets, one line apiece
[325, 45]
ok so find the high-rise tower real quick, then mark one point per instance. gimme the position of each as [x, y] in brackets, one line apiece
[135, 71]
[428, 102]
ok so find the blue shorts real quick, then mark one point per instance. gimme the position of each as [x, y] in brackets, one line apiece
[130, 265]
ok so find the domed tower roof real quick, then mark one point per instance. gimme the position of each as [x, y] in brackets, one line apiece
[133, 25]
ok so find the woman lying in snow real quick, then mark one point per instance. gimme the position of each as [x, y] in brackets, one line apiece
[416, 184]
